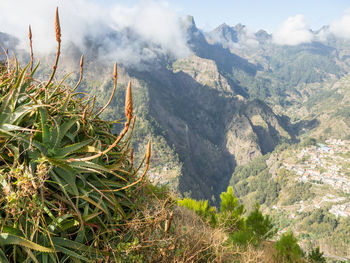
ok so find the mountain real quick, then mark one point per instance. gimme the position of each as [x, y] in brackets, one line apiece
[225, 33]
[304, 187]
[204, 115]
[234, 104]
[224, 103]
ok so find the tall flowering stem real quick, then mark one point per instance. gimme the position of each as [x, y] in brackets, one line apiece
[58, 39]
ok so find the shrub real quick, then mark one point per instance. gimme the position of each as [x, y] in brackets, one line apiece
[261, 226]
[231, 212]
[257, 228]
[287, 249]
[316, 256]
[201, 208]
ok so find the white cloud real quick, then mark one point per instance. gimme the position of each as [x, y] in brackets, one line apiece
[142, 31]
[322, 34]
[341, 28]
[248, 38]
[293, 31]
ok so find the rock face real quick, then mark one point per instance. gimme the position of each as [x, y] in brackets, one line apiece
[254, 131]
[241, 141]
[204, 71]
[211, 128]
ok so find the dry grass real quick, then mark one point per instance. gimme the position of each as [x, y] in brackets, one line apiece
[167, 233]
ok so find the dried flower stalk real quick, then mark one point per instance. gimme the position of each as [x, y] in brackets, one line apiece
[57, 26]
[114, 89]
[58, 39]
[168, 222]
[148, 154]
[81, 72]
[31, 48]
[128, 103]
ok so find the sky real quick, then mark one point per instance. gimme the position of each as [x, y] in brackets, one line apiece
[256, 14]
[147, 29]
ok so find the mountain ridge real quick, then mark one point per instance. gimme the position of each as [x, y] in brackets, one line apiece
[220, 101]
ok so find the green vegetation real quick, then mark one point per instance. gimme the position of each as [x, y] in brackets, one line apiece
[66, 181]
[256, 228]
[308, 141]
[254, 180]
[315, 256]
[288, 249]
[298, 191]
[294, 207]
[253, 229]
[69, 191]
[201, 208]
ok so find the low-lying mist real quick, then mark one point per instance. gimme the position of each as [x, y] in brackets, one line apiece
[131, 35]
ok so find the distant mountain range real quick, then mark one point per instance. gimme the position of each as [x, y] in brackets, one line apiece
[235, 97]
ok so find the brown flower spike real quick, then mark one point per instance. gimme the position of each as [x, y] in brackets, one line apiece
[81, 62]
[57, 27]
[58, 38]
[128, 103]
[31, 48]
[30, 34]
[115, 72]
[148, 154]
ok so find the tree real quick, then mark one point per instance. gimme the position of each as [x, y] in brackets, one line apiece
[261, 226]
[316, 256]
[287, 249]
[231, 211]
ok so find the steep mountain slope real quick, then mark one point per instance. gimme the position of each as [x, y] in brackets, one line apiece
[208, 128]
[221, 106]
[305, 188]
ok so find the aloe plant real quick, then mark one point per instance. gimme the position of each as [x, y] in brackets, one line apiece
[65, 179]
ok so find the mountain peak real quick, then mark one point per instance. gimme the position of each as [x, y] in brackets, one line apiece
[262, 36]
[226, 33]
[223, 25]
[188, 22]
[239, 27]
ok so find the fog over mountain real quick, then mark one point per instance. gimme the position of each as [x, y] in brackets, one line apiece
[136, 34]
[126, 34]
